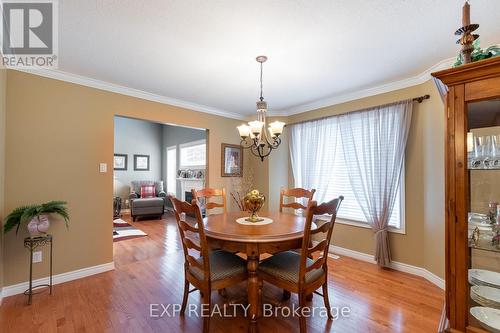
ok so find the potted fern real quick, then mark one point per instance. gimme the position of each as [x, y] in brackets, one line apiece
[37, 215]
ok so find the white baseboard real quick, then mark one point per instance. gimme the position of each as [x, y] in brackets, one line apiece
[84, 272]
[399, 266]
[56, 279]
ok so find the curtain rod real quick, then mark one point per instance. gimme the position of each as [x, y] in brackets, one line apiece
[419, 99]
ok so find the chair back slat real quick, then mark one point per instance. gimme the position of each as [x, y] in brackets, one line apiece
[187, 227]
[318, 247]
[321, 229]
[294, 205]
[207, 193]
[296, 193]
[181, 210]
[318, 263]
[190, 244]
[211, 205]
[324, 233]
[193, 262]
[328, 208]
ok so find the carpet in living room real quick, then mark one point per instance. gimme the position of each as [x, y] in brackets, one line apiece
[122, 230]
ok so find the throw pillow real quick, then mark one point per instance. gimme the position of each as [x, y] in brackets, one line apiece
[148, 191]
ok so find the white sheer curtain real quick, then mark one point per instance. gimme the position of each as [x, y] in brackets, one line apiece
[374, 158]
[312, 151]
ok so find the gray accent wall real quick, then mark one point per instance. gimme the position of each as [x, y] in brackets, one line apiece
[175, 136]
[134, 136]
[139, 137]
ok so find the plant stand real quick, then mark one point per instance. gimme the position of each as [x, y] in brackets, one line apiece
[31, 243]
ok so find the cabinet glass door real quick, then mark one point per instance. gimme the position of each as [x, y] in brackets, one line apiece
[483, 149]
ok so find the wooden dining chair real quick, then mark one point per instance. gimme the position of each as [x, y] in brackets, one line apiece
[297, 272]
[296, 193]
[203, 196]
[211, 270]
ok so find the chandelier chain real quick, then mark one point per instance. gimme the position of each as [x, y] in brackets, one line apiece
[256, 136]
[261, 84]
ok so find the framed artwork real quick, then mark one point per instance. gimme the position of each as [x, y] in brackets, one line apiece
[232, 160]
[120, 162]
[141, 162]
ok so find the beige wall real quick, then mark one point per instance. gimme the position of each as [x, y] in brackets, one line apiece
[278, 168]
[57, 134]
[3, 86]
[423, 243]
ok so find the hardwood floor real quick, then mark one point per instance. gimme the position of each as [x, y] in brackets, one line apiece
[150, 270]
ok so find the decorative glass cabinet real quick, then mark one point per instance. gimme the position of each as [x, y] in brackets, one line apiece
[472, 114]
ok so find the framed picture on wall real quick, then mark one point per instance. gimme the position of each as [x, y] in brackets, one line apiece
[232, 160]
[120, 162]
[141, 162]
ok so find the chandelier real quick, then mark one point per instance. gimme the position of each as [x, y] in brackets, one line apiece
[254, 135]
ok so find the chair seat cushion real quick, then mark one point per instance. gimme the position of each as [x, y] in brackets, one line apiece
[223, 265]
[286, 265]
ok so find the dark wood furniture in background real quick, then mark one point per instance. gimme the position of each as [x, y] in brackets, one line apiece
[295, 193]
[285, 233]
[467, 84]
[203, 196]
[296, 272]
[212, 270]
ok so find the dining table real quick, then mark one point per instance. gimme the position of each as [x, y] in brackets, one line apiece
[286, 232]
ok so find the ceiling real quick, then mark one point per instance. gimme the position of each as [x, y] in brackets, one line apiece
[203, 52]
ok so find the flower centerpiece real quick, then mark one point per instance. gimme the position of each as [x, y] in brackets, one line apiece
[254, 201]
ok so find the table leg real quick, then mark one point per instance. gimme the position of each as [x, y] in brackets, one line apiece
[253, 289]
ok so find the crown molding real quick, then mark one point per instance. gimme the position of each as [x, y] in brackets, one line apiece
[333, 100]
[380, 89]
[115, 88]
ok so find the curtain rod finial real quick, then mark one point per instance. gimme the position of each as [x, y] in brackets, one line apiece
[422, 98]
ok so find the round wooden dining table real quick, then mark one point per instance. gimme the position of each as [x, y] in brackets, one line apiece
[284, 233]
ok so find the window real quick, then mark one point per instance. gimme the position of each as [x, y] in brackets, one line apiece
[193, 155]
[318, 162]
[172, 170]
[351, 211]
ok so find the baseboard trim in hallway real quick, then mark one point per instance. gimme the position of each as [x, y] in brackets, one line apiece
[84, 272]
[59, 278]
[399, 266]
